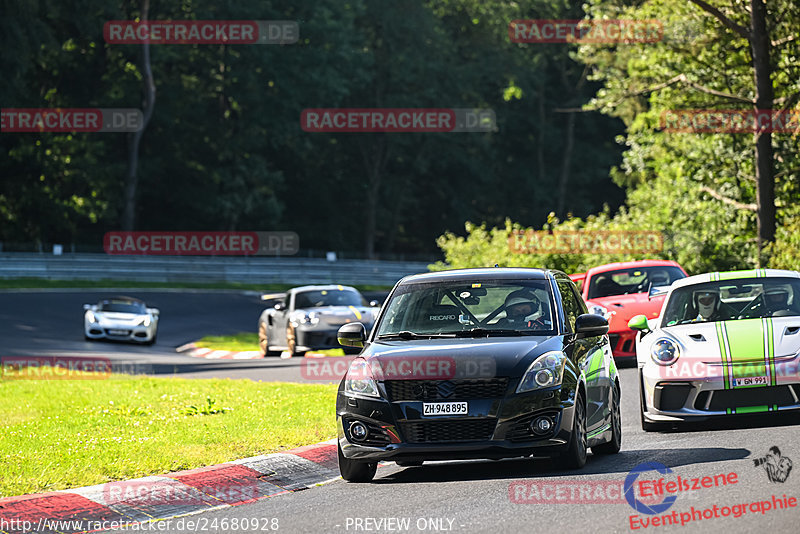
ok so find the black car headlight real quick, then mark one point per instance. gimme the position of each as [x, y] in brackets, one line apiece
[546, 371]
[359, 379]
[665, 351]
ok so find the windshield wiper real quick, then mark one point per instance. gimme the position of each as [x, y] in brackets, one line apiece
[405, 334]
[486, 332]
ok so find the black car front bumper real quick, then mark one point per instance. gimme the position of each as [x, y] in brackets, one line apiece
[492, 428]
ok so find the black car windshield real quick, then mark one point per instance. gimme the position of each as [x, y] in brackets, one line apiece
[730, 300]
[629, 281]
[327, 297]
[122, 306]
[458, 307]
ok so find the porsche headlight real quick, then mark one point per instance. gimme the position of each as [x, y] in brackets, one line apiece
[359, 380]
[665, 351]
[546, 371]
[304, 318]
[145, 321]
[91, 316]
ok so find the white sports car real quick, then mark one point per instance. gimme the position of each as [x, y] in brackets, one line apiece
[725, 343]
[120, 318]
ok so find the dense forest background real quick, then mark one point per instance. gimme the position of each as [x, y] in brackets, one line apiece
[578, 142]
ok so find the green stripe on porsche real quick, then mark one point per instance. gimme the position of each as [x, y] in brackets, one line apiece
[752, 409]
[769, 343]
[747, 349]
[723, 351]
[732, 275]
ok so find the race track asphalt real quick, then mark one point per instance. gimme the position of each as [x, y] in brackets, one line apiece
[473, 496]
[50, 323]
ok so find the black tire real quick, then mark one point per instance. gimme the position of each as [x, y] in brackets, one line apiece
[613, 446]
[409, 464]
[647, 426]
[291, 342]
[152, 341]
[355, 471]
[263, 341]
[574, 457]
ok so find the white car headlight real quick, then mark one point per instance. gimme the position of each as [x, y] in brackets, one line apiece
[145, 321]
[546, 371]
[299, 318]
[359, 380]
[665, 351]
[91, 316]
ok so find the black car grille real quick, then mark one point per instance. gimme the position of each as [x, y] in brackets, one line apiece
[744, 397]
[671, 397]
[438, 390]
[448, 431]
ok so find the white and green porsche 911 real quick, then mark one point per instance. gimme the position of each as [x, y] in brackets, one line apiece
[724, 343]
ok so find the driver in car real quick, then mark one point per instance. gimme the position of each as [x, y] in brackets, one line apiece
[776, 300]
[709, 307]
[519, 307]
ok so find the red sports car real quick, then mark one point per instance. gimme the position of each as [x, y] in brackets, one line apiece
[619, 291]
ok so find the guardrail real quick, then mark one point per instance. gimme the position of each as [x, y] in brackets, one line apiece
[264, 270]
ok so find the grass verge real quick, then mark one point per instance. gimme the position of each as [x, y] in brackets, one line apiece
[246, 341]
[72, 433]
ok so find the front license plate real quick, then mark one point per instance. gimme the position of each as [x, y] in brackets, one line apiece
[118, 332]
[751, 381]
[444, 408]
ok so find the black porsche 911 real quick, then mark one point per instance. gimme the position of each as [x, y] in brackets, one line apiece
[478, 363]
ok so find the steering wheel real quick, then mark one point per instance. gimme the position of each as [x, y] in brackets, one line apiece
[751, 306]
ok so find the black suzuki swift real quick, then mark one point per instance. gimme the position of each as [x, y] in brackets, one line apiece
[478, 363]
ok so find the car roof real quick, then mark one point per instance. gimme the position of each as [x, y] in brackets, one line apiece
[631, 265]
[734, 275]
[329, 287]
[496, 273]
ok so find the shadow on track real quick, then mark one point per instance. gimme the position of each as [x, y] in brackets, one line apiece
[620, 464]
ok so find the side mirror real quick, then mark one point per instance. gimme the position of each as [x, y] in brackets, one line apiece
[154, 311]
[352, 335]
[639, 322]
[87, 306]
[374, 303]
[590, 325]
[280, 306]
[657, 291]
